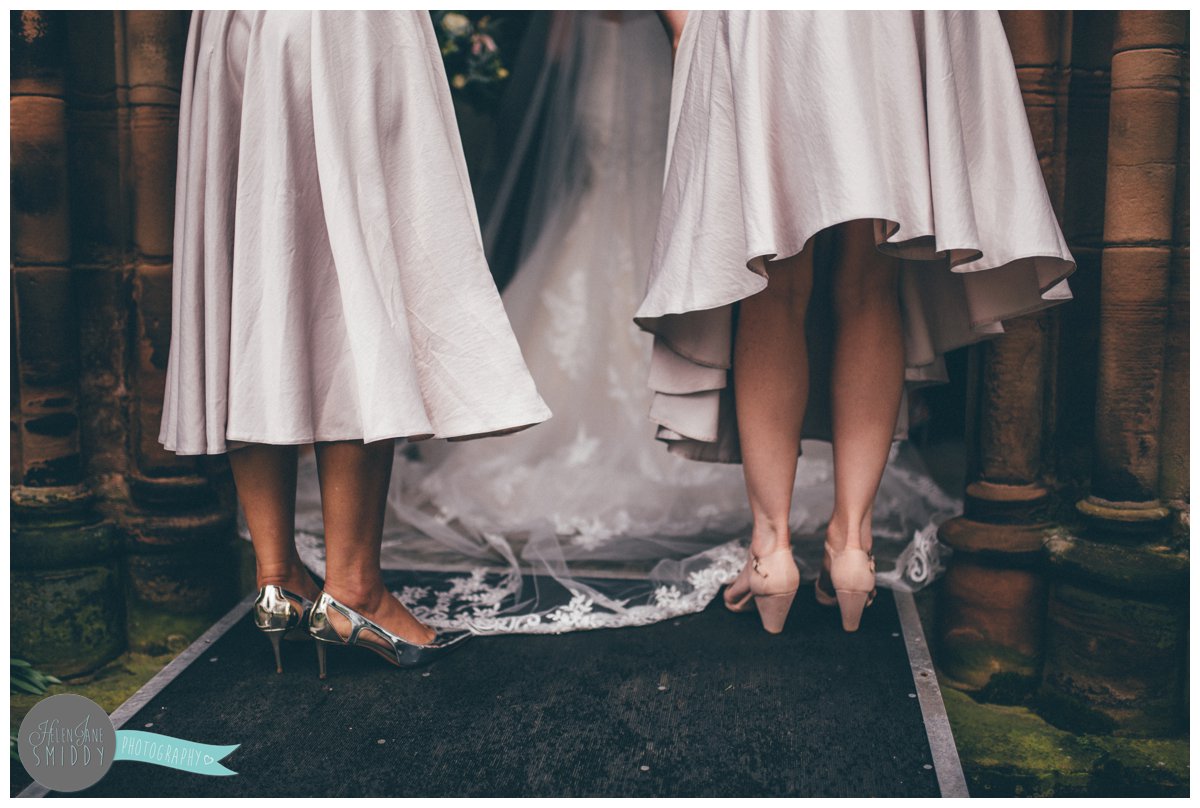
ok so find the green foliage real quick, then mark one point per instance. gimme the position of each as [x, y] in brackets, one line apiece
[24, 678]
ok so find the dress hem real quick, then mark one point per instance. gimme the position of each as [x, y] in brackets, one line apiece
[460, 434]
[644, 319]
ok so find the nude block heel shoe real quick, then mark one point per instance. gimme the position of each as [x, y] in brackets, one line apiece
[738, 597]
[774, 579]
[852, 573]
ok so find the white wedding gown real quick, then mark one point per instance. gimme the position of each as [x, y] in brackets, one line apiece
[587, 521]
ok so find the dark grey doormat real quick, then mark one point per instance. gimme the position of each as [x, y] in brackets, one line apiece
[703, 705]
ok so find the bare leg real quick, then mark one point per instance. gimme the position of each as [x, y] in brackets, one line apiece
[265, 477]
[354, 484]
[770, 366]
[867, 380]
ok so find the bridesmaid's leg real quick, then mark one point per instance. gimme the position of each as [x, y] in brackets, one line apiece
[354, 484]
[265, 477]
[867, 380]
[770, 367]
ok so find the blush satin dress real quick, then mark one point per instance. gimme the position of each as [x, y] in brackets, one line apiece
[329, 278]
[786, 123]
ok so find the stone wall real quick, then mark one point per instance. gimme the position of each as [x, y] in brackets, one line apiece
[1068, 589]
[106, 525]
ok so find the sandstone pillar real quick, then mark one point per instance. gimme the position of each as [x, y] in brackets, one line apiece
[1117, 606]
[991, 615]
[179, 524]
[66, 605]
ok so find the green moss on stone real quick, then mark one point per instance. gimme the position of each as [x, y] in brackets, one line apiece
[1153, 625]
[1010, 751]
[67, 621]
[1069, 711]
[61, 545]
[1143, 767]
[977, 664]
[1008, 688]
[156, 632]
[1155, 571]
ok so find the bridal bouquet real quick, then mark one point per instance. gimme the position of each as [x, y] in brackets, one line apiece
[471, 50]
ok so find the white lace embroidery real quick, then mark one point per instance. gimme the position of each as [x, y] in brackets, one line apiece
[565, 309]
[473, 601]
[919, 563]
[582, 449]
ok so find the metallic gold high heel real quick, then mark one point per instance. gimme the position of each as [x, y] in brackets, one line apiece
[399, 651]
[276, 615]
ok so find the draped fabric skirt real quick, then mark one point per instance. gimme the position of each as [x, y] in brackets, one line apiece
[329, 277]
[785, 124]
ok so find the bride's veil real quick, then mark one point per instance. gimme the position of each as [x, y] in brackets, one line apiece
[585, 521]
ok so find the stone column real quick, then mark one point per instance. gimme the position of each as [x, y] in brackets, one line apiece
[1083, 224]
[1117, 607]
[1174, 477]
[991, 616]
[1174, 482]
[66, 606]
[180, 525]
[100, 243]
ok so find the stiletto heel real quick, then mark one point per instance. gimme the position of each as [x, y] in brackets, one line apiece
[774, 580]
[366, 633]
[320, 658]
[851, 572]
[275, 637]
[276, 615]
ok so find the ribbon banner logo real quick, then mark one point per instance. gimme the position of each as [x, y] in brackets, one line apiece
[68, 743]
[188, 756]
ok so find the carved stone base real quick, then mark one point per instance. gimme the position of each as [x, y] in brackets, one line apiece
[67, 613]
[1116, 635]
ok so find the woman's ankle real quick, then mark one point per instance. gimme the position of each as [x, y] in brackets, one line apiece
[769, 537]
[366, 597]
[843, 533]
[291, 575]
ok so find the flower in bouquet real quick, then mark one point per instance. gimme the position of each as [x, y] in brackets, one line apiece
[472, 45]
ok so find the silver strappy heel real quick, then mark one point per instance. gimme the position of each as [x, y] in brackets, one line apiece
[401, 653]
[276, 616]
